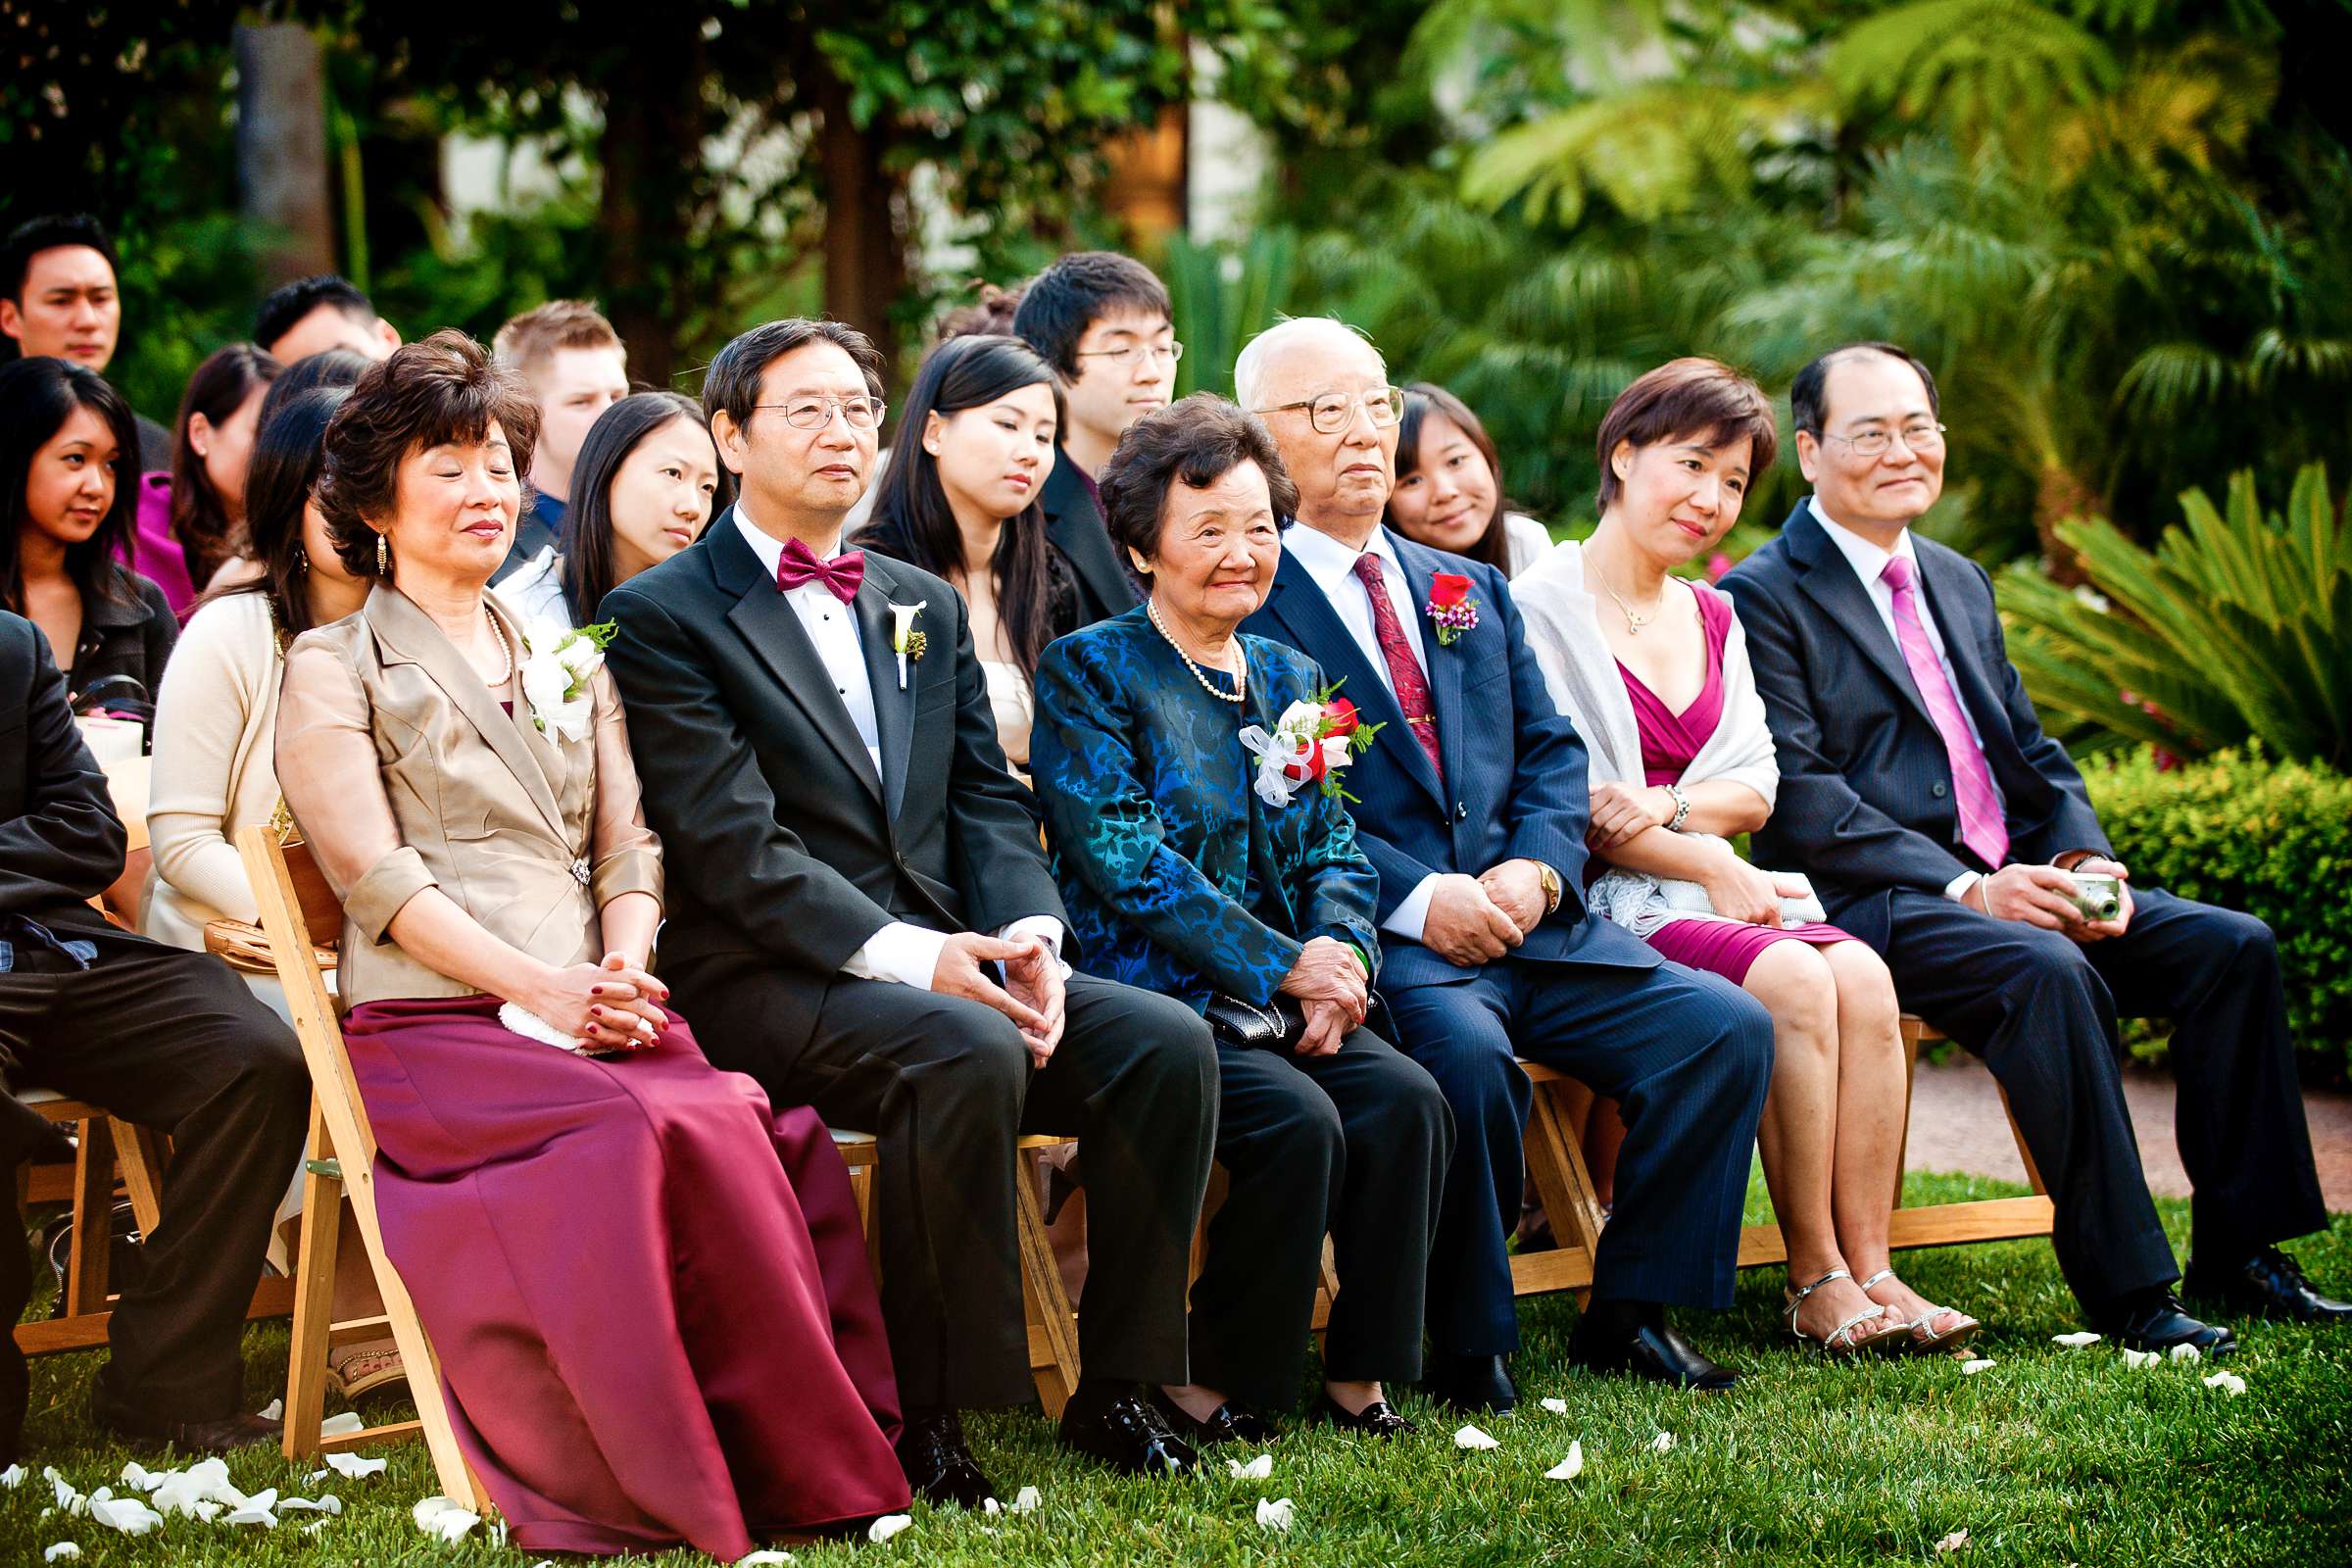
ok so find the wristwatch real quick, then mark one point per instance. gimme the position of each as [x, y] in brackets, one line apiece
[1551, 887]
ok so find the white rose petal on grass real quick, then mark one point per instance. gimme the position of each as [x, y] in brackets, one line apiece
[2075, 1341]
[313, 1527]
[1664, 1443]
[1276, 1514]
[1570, 1468]
[757, 1559]
[1257, 1469]
[326, 1504]
[352, 1467]
[1970, 1368]
[336, 1426]
[1025, 1500]
[441, 1518]
[889, 1525]
[2229, 1383]
[2185, 1352]
[274, 1410]
[251, 1515]
[128, 1514]
[1953, 1541]
[1556, 1406]
[2136, 1359]
[61, 1551]
[13, 1477]
[1472, 1438]
[135, 1474]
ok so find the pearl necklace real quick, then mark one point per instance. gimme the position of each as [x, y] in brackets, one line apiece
[1241, 680]
[506, 649]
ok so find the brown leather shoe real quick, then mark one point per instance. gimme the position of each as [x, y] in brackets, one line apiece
[218, 1435]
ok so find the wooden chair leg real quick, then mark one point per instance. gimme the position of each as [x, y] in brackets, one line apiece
[93, 1218]
[139, 1151]
[2032, 1171]
[1557, 1163]
[314, 1291]
[1911, 1028]
[1046, 1305]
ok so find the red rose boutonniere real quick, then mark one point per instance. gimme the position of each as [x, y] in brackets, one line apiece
[1452, 610]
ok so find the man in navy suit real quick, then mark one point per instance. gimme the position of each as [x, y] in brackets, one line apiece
[1473, 808]
[1939, 823]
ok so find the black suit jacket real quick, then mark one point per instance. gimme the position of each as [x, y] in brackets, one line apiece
[1075, 526]
[781, 839]
[1866, 801]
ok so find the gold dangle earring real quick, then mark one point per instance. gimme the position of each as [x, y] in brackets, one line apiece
[383, 556]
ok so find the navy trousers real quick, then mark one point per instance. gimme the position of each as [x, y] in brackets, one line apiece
[1687, 1056]
[2041, 1009]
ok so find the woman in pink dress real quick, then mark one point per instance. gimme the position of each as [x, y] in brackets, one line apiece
[1654, 672]
[647, 1289]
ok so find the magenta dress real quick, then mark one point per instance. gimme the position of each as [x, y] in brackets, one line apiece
[1669, 741]
[648, 1291]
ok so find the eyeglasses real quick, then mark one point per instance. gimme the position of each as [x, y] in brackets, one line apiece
[1334, 411]
[1876, 442]
[814, 413]
[1170, 352]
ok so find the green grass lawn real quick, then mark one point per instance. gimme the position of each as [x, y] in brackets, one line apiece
[2052, 1456]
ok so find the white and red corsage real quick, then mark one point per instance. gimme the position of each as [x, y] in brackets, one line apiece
[1311, 741]
[1452, 610]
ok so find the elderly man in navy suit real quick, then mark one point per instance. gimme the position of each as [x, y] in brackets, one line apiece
[1939, 823]
[1473, 808]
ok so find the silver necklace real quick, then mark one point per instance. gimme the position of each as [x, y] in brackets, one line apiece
[1240, 678]
[506, 649]
[1633, 622]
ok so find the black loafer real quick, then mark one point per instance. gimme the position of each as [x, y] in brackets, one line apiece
[1651, 1350]
[2153, 1320]
[221, 1435]
[1229, 1422]
[940, 1467]
[1378, 1419]
[2270, 1284]
[1125, 1433]
[1473, 1384]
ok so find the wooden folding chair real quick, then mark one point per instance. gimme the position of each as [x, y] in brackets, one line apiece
[1052, 1321]
[298, 912]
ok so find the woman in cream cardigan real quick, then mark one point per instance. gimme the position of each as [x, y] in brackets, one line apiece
[1654, 672]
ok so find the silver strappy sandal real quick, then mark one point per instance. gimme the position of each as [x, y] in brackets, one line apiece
[1922, 1340]
[1844, 1340]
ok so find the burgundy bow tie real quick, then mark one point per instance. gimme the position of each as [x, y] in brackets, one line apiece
[840, 575]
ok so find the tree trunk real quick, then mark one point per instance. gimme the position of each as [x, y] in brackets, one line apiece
[866, 256]
[651, 142]
[2058, 496]
[282, 148]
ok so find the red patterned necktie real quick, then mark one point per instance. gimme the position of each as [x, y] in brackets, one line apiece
[1405, 671]
[840, 575]
[1981, 826]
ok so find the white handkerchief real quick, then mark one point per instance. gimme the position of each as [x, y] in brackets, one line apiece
[1472, 1438]
[529, 1025]
[1570, 1468]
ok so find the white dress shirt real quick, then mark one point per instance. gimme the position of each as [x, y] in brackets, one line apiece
[1332, 565]
[1870, 563]
[899, 951]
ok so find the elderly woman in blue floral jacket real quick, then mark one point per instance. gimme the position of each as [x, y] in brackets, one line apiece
[1191, 782]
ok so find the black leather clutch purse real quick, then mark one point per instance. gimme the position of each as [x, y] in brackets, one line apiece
[1251, 1027]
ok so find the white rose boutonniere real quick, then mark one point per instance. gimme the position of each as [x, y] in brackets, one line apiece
[905, 640]
[561, 663]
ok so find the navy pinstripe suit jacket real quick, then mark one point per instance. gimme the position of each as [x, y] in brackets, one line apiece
[1866, 801]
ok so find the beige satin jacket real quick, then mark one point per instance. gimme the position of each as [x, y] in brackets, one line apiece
[403, 773]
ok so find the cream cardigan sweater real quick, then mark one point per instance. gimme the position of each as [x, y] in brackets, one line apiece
[215, 724]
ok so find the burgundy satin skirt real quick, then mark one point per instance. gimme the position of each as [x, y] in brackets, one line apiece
[648, 1291]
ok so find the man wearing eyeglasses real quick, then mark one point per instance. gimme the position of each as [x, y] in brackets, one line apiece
[862, 918]
[1104, 321]
[1938, 822]
[1473, 806]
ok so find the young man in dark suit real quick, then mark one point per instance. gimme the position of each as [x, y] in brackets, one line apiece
[862, 918]
[1104, 321]
[159, 1036]
[1473, 808]
[1939, 823]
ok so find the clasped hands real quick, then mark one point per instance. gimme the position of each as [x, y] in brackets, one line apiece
[611, 1006]
[1032, 994]
[1477, 919]
[2044, 896]
[1329, 983]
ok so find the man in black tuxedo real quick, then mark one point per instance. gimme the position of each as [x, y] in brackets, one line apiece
[159, 1036]
[863, 919]
[1105, 323]
[1939, 823]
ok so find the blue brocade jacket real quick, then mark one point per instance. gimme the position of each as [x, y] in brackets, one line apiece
[1177, 877]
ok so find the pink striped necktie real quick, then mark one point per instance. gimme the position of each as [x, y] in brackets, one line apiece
[1981, 826]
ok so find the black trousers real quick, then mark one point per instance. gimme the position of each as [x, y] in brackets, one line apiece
[1687, 1056]
[171, 1039]
[2041, 1009]
[1355, 1145]
[946, 1087]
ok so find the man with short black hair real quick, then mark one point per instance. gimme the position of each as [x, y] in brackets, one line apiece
[313, 314]
[1939, 823]
[1105, 323]
[59, 297]
[577, 367]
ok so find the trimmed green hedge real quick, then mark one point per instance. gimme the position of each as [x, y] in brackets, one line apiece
[2273, 839]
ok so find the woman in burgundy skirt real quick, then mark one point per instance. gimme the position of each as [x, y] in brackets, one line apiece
[1654, 672]
[647, 1289]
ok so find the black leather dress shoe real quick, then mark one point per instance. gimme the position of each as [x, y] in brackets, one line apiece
[938, 1465]
[1651, 1350]
[2153, 1320]
[2270, 1284]
[1121, 1429]
[1474, 1384]
[1378, 1419]
[1229, 1422]
[218, 1436]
